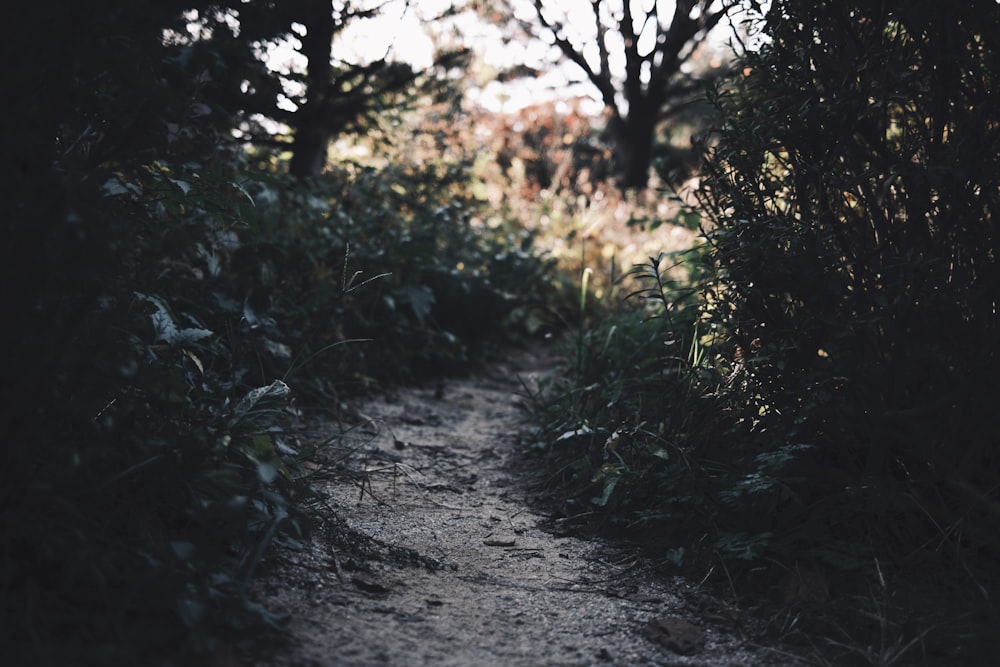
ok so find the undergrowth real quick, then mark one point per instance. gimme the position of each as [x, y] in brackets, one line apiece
[177, 308]
[154, 466]
[807, 418]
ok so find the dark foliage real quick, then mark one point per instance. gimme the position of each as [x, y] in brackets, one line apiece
[847, 318]
[161, 284]
[391, 261]
[632, 427]
[853, 198]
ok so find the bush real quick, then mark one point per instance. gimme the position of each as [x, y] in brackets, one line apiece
[631, 424]
[161, 452]
[851, 195]
[168, 301]
[395, 259]
[851, 260]
[144, 481]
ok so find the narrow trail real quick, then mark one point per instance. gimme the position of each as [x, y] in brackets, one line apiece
[460, 570]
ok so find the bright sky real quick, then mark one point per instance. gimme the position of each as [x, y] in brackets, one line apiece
[400, 32]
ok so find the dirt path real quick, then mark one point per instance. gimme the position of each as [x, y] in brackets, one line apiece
[460, 571]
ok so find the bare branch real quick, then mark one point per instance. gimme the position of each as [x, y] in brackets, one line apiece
[602, 37]
[712, 20]
[653, 82]
[603, 83]
[683, 29]
[633, 61]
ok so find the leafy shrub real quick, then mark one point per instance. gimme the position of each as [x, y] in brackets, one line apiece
[392, 256]
[146, 479]
[632, 424]
[838, 415]
[170, 300]
[852, 197]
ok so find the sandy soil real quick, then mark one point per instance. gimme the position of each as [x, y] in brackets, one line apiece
[463, 566]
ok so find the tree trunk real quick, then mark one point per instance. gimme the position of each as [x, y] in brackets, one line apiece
[312, 130]
[309, 147]
[632, 139]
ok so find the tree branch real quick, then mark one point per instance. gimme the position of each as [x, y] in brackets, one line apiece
[603, 83]
[633, 61]
[683, 30]
[602, 36]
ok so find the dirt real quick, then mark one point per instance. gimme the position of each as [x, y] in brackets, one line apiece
[453, 561]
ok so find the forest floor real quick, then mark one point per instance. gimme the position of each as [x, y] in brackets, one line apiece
[441, 551]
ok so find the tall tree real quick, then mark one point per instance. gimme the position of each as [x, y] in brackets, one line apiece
[337, 95]
[634, 54]
[324, 96]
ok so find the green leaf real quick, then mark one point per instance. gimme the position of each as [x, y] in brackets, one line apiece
[266, 472]
[190, 611]
[675, 556]
[243, 191]
[610, 482]
[272, 396]
[184, 186]
[661, 453]
[183, 550]
[113, 188]
[279, 350]
[575, 433]
[420, 298]
[168, 332]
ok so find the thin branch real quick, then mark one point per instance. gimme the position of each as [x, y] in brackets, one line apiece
[602, 43]
[683, 32]
[557, 30]
[633, 61]
[712, 20]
